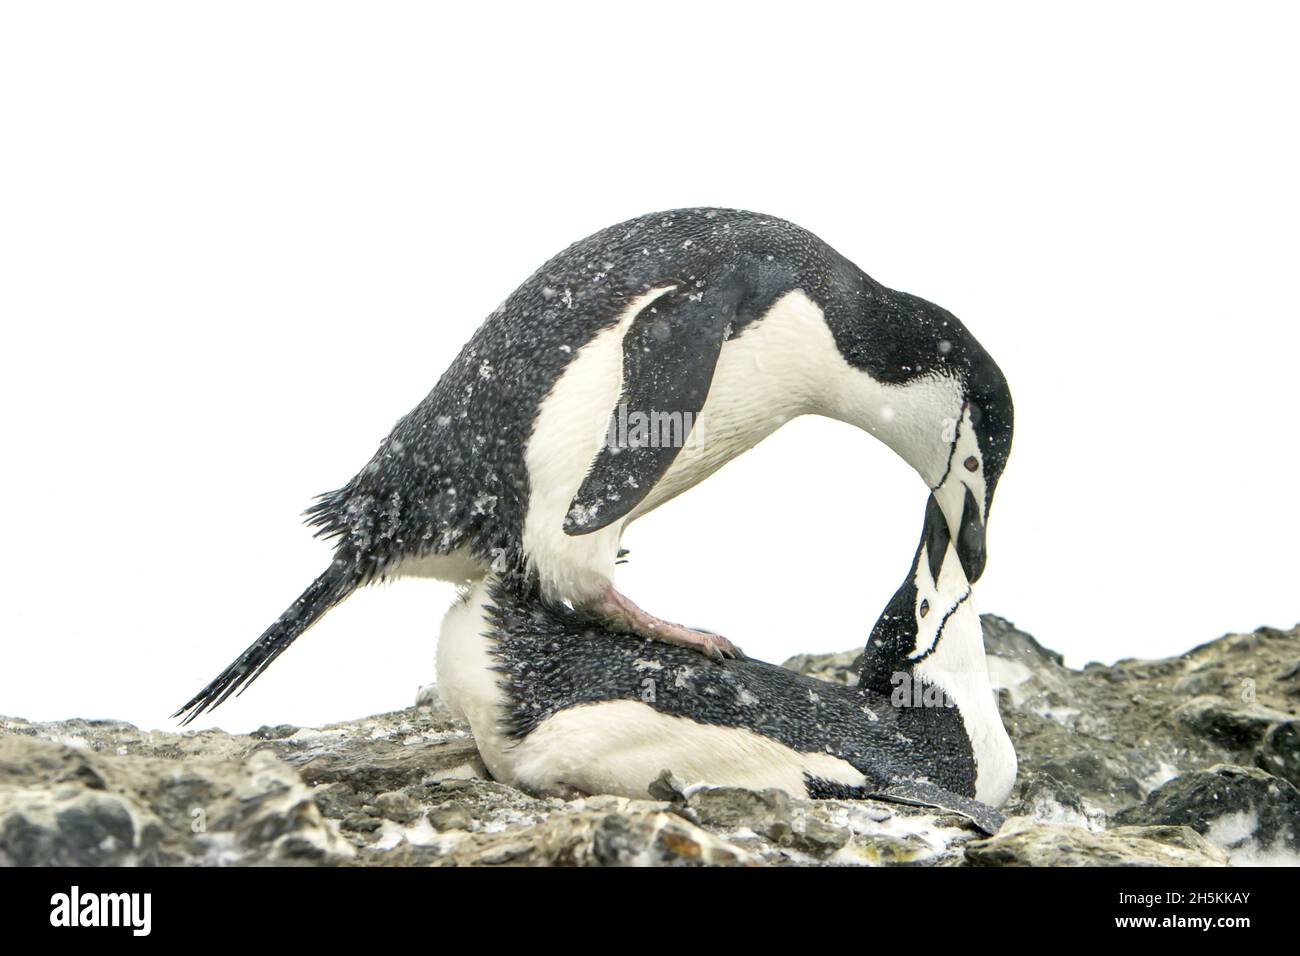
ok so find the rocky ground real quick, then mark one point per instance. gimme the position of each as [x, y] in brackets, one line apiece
[1193, 760]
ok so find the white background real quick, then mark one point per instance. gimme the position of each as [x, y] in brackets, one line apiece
[239, 240]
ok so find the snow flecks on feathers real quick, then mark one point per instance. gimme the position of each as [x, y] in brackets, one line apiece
[428, 487]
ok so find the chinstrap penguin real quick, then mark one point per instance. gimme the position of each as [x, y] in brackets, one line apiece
[714, 326]
[556, 706]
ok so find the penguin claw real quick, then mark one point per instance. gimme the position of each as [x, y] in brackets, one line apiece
[716, 646]
[711, 645]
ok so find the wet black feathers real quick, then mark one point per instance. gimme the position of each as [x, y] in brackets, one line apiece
[451, 476]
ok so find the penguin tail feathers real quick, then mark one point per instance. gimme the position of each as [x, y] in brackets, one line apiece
[326, 515]
[328, 590]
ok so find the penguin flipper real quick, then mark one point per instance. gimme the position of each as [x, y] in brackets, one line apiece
[914, 793]
[330, 588]
[917, 793]
[669, 354]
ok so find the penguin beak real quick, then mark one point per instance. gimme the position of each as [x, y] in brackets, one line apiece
[962, 512]
[970, 539]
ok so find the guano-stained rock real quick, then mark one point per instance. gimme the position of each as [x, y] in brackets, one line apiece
[1188, 761]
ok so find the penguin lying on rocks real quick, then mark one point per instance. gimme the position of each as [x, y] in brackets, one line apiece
[624, 371]
[559, 705]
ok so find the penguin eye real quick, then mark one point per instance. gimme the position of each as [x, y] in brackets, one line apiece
[925, 607]
[972, 463]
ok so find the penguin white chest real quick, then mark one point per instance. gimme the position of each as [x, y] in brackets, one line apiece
[771, 373]
[762, 379]
[570, 427]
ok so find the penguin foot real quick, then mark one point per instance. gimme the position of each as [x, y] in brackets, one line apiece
[620, 612]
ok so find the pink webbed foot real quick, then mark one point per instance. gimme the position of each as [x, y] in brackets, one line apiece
[620, 612]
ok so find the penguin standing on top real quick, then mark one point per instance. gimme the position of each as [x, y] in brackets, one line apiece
[624, 371]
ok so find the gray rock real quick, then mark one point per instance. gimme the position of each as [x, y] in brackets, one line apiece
[278, 732]
[64, 806]
[75, 827]
[1044, 798]
[1004, 640]
[1236, 727]
[1138, 742]
[1279, 752]
[1113, 733]
[839, 668]
[770, 814]
[1026, 842]
[398, 807]
[1253, 815]
[450, 818]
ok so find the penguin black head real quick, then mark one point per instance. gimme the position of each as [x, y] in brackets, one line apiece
[932, 393]
[974, 472]
[949, 415]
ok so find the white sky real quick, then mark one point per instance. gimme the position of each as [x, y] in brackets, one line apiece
[237, 242]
